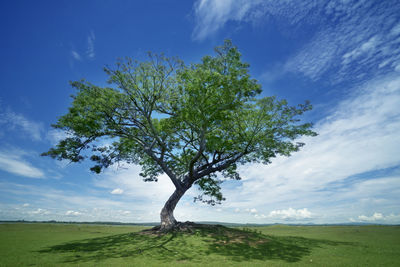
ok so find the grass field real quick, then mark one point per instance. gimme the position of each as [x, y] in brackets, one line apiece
[99, 245]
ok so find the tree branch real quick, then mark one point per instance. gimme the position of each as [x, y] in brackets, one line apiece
[210, 169]
[198, 154]
[164, 167]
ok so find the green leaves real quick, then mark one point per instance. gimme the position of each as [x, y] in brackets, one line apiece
[210, 92]
[211, 188]
[69, 148]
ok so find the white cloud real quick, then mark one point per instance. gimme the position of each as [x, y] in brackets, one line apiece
[90, 49]
[26, 205]
[260, 216]
[117, 191]
[375, 217]
[17, 122]
[12, 162]
[76, 55]
[367, 47]
[395, 31]
[211, 15]
[351, 38]
[73, 213]
[290, 214]
[359, 39]
[56, 135]
[90, 45]
[40, 212]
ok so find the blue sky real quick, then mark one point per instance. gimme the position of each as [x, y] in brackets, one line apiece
[343, 55]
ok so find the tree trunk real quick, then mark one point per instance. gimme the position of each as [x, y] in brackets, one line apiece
[167, 213]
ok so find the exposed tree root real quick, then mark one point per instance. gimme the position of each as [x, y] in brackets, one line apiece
[186, 227]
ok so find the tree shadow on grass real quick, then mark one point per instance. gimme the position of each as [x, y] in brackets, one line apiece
[246, 244]
[194, 245]
[115, 246]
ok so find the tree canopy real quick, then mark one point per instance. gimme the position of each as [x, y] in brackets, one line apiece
[190, 122]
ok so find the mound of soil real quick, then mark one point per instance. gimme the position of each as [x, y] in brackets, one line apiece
[184, 227]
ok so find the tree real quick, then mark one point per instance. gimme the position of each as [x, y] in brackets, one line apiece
[189, 122]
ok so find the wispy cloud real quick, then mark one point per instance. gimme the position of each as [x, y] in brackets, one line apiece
[90, 45]
[13, 162]
[54, 136]
[12, 121]
[357, 39]
[212, 15]
[88, 53]
[351, 40]
[75, 55]
[117, 191]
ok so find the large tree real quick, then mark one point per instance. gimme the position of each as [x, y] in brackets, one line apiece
[189, 122]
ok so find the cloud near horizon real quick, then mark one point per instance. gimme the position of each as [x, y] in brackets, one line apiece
[291, 214]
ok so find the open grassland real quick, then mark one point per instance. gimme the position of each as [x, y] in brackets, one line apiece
[99, 245]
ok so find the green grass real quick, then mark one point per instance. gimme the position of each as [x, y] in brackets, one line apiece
[98, 245]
